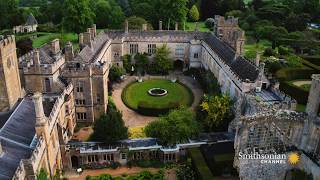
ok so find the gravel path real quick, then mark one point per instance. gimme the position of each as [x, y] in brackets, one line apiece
[132, 118]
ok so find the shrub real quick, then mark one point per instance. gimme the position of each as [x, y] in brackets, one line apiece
[209, 22]
[269, 52]
[48, 27]
[146, 163]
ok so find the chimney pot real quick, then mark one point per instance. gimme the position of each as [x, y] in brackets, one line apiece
[160, 25]
[36, 57]
[38, 106]
[126, 26]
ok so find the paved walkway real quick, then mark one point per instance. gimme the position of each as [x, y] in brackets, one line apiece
[132, 118]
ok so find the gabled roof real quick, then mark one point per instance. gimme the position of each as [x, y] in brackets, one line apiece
[31, 20]
[16, 137]
[240, 66]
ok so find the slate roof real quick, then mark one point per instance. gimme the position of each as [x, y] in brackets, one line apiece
[16, 137]
[88, 54]
[18, 134]
[31, 20]
[240, 66]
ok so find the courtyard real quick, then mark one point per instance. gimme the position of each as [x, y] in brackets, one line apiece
[190, 97]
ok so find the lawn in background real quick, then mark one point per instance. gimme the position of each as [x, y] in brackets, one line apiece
[191, 26]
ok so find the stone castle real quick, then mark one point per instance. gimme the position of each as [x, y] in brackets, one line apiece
[44, 93]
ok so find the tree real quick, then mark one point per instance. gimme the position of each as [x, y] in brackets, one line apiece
[108, 14]
[115, 73]
[77, 15]
[217, 109]
[10, 14]
[273, 33]
[42, 175]
[194, 13]
[209, 23]
[177, 126]
[142, 62]
[170, 11]
[110, 128]
[137, 22]
[162, 61]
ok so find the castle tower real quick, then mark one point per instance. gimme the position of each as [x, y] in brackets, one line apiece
[10, 85]
[314, 96]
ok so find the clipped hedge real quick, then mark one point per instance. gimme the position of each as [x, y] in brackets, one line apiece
[200, 164]
[312, 59]
[296, 92]
[288, 74]
[147, 109]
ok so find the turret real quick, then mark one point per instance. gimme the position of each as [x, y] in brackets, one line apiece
[41, 120]
[314, 96]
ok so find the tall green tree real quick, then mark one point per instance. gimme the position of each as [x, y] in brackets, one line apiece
[163, 62]
[142, 62]
[217, 109]
[194, 14]
[170, 11]
[177, 126]
[77, 15]
[108, 14]
[110, 127]
[10, 14]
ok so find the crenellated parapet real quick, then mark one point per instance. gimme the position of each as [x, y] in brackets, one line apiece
[8, 40]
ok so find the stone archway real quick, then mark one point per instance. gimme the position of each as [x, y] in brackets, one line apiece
[74, 162]
[178, 64]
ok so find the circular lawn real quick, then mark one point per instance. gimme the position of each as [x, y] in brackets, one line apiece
[136, 94]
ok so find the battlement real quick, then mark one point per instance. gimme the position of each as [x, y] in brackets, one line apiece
[222, 21]
[5, 41]
[85, 70]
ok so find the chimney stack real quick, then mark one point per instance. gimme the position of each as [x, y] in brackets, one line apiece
[87, 39]
[314, 96]
[197, 27]
[38, 106]
[55, 46]
[36, 57]
[258, 57]
[94, 28]
[160, 25]
[80, 39]
[144, 27]
[69, 51]
[176, 26]
[126, 26]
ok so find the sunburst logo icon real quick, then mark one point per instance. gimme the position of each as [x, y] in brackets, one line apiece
[293, 158]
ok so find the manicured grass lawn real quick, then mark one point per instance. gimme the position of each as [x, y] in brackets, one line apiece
[191, 26]
[251, 49]
[137, 92]
[41, 38]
